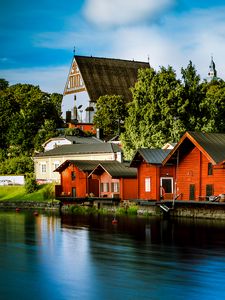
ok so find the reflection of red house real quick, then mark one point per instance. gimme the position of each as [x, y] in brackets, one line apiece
[116, 180]
[199, 164]
[154, 180]
[74, 178]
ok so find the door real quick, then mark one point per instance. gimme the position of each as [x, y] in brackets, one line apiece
[166, 187]
[191, 192]
[74, 192]
[209, 190]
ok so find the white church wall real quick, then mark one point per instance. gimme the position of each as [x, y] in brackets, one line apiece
[82, 98]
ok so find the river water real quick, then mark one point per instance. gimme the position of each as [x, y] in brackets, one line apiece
[87, 257]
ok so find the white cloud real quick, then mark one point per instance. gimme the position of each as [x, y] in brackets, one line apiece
[51, 80]
[193, 37]
[122, 12]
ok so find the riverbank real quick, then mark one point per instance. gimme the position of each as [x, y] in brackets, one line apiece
[12, 197]
[19, 194]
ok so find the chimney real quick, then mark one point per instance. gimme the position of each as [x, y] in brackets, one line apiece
[99, 133]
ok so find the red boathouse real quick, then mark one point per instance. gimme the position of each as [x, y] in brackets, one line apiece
[155, 181]
[199, 166]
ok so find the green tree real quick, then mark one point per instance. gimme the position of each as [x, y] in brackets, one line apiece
[110, 114]
[212, 107]
[17, 165]
[25, 109]
[47, 131]
[153, 115]
[30, 183]
[193, 95]
[3, 84]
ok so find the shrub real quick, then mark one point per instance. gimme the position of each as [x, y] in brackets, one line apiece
[132, 210]
[49, 191]
[30, 183]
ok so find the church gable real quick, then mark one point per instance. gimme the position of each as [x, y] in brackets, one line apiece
[75, 81]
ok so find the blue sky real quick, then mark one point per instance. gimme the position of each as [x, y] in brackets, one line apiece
[38, 37]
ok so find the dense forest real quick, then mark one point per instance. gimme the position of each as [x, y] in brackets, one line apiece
[163, 107]
[28, 116]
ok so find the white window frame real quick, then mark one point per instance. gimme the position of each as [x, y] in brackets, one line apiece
[56, 164]
[147, 184]
[115, 187]
[104, 187]
[43, 168]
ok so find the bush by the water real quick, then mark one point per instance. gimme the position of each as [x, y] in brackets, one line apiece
[30, 183]
[49, 192]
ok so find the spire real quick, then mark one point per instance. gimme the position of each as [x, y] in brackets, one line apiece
[212, 70]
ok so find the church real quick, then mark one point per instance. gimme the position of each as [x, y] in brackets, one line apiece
[92, 77]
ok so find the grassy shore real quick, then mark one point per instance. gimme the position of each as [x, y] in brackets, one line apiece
[18, 193]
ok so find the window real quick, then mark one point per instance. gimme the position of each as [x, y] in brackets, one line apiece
[56, 165]
[104, 187]
[210, 169]
[148, 184]
[73, 175]
[115, 187]
[43, 168]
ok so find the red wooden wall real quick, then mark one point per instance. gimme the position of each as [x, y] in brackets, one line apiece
[80, 181]
[127, 187]
[154, 172]
[193, 170]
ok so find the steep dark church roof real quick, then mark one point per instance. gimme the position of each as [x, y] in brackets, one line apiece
[108, 76]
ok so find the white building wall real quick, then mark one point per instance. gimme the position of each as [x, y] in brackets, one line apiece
[50, 162]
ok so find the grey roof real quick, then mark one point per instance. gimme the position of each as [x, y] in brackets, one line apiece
[108, 76]
[83, 139]
[83, 165]
[81, 149]
[212, 143]
[116, 169]
[151, 156]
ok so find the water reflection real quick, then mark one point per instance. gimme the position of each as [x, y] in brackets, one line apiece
[87, 257]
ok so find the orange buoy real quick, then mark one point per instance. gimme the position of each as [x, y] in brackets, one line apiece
[114, 221]
[35, 213]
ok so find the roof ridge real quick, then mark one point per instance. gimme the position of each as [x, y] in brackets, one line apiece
[111, 58]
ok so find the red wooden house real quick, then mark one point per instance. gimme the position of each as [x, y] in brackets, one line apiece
[154, 180]
[74, 178]
[199, 165]
[116, 180]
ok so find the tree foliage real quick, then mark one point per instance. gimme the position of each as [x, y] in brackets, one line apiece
[164, 107]
[24, 110]
[27, 117]
[17, 165]
[30, 183]
[153, 114]
[110, 114]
